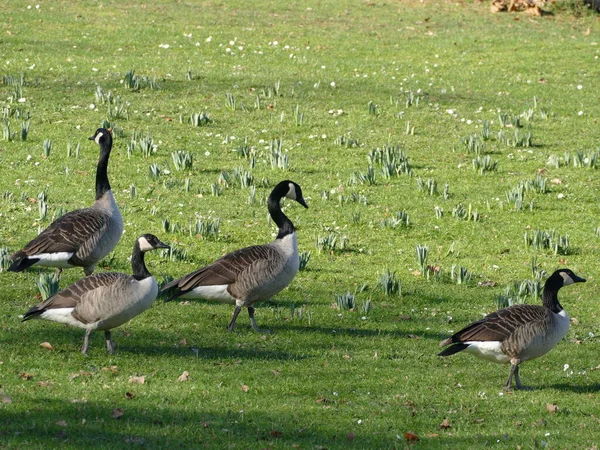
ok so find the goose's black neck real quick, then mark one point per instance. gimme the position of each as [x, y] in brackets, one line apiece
[284, 224]
[140, 271]
[550, 296]
[102, 184]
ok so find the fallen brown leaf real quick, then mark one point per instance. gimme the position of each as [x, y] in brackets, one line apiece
[551, 407]
[26, 376]
[275, 434]
[61, 423]
[112, 369]
[184, 376]
[245, 388]
[117, 413]
[410, 436]
[6, 399]
[445, 424]
[183, 342]
[43, 383]
[275, 372]
[129, 395]
[46, 345]
[137, 380]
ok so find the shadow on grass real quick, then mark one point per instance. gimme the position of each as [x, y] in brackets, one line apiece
[578, 389]
[115, 423]
[356, 332]
[143, 342]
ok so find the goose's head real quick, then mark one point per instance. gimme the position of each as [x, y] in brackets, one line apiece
[149, 242]
[290, 190]
[564, 277]
[102, 136]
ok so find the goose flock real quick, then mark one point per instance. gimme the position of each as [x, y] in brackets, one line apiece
[106, 300]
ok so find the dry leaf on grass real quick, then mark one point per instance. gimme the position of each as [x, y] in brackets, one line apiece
[137, 380]
[184, 376]
[6, 399]
[410, 436]
[445, 424]
[46, 345]
[129, 395]
[183, 342]
[26, 376]
[61, 423]
[117, 413]
[551, 407]
[275, 434]
[245, 388]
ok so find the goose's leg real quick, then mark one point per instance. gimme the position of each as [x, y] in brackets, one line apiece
[86, 341]
[234, 318]
[253, 322]
[110, 347]
[518, 383]
[513, 368]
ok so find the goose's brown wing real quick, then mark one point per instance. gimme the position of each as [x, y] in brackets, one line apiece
[500, 325]
[224, 271]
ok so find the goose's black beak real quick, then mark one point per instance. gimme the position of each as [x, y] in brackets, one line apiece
[302, 202]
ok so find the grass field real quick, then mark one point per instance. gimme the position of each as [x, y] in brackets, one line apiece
[493, 124]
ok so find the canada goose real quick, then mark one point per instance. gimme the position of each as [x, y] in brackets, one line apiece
[81, 237]
[104, 301]
[254, 273]
[517, 333]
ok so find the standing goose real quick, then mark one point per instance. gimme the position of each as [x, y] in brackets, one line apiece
[254, 273]
[81, 237]
[104, 301]
[517, 333]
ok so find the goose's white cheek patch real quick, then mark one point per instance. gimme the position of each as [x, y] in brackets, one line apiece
[292, 192]
[145, 246]
[567, 280]
[98, 138]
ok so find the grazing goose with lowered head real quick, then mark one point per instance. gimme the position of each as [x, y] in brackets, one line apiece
[254, 273]
[104, 301]
[81, 237]
[517, 333]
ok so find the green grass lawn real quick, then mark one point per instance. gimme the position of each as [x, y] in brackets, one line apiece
[332, 87]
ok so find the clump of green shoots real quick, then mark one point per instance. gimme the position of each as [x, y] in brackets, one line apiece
[460, 275]
[47, 147]
[331, 242]
[401, 219]
[154, 171]
[5, 261]
[367, 177]
[47, 284]
[345, 141]
[422, 253]
[206, 228]
[392, 159]
[304, 259]
[429, 186]
[279, 159]
[24, 130]
[474, 144]
[118, 109]
[198, 119]
[6, 133]
[244, 178]
[182, 160]
[389, 284]
[174, 253]
[459, 212]
[552, 240]
[345, 301]
[230, 102]
[373, 108]
[484, 164]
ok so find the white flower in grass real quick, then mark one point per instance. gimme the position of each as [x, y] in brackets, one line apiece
[208, 39]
